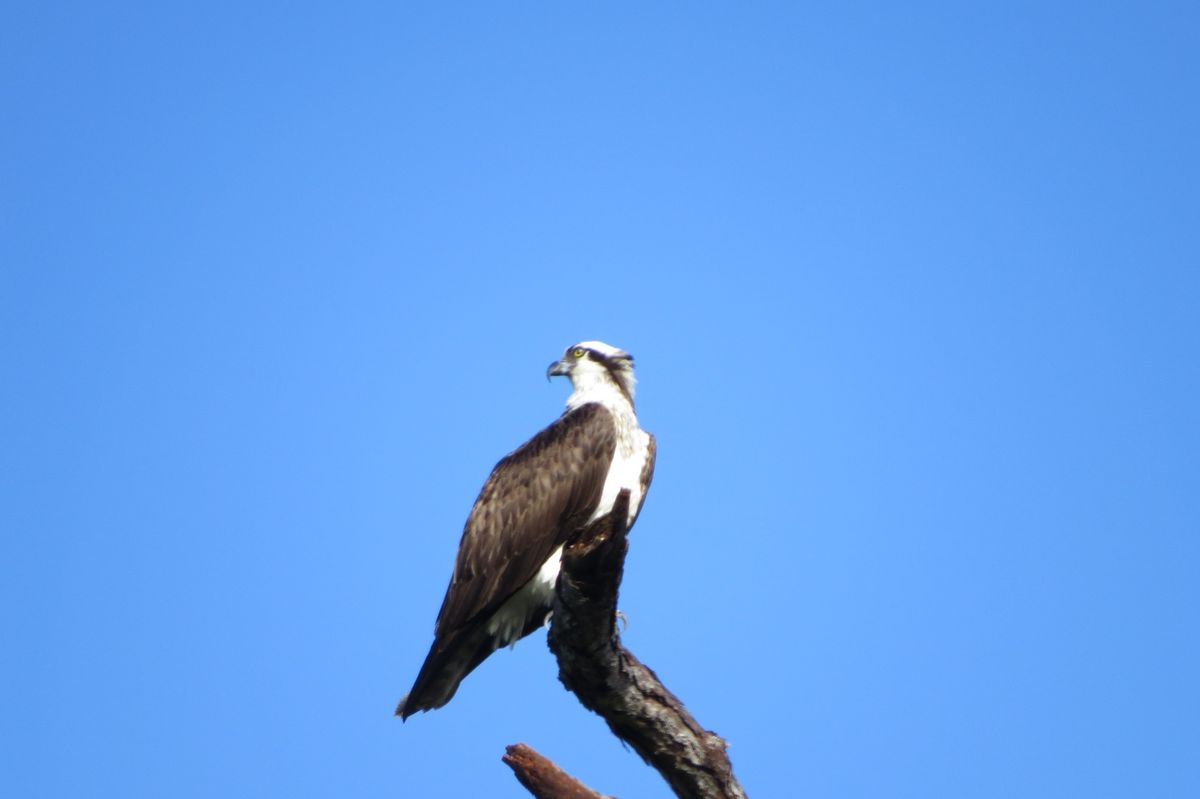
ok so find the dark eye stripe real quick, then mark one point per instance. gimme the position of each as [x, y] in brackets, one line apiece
[598, 356]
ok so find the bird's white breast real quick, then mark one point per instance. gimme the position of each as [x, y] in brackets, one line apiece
[629, 460]
[633, 443]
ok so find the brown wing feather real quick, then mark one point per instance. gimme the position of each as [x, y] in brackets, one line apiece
[534, 498]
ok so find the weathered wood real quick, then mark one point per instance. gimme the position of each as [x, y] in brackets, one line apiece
[544, 779]
[610, 681]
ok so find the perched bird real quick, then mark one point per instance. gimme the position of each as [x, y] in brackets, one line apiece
[561, 481]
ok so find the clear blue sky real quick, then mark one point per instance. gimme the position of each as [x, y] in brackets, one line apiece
[914, 292]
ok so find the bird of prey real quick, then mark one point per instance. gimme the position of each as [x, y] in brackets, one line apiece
[561, 481]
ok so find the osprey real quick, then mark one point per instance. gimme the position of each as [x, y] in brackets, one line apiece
[561, 481]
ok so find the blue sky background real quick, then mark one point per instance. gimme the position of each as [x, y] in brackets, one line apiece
[913, 291]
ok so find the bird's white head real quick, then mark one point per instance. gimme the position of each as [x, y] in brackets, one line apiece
[599, 372]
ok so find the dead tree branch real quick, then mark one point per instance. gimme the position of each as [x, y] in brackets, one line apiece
[544, 779]
[611, 682]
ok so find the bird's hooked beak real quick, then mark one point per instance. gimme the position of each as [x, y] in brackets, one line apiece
[558, 369]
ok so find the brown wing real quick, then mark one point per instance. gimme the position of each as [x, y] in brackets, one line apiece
[533, 500]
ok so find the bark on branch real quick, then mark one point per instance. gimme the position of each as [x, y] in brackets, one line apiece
[611, 682]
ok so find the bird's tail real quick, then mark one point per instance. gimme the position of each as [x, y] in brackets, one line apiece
[447, 663]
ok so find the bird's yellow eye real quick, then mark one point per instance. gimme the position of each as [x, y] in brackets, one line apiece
[578, 353]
